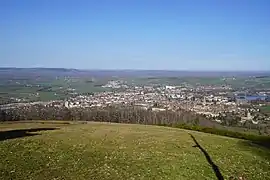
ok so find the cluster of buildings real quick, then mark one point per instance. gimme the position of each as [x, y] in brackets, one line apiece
[212, 101]
[115, 85]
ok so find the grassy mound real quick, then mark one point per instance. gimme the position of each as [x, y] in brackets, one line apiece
[120, 151]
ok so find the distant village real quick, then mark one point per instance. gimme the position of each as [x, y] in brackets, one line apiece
[214, 102]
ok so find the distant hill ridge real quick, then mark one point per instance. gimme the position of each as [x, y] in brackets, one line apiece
[132, 73]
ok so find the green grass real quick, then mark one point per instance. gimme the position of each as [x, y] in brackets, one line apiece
[120, 151]
[266, 108]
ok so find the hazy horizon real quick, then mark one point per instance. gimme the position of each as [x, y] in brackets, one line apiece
[169, 70]
[136, 35]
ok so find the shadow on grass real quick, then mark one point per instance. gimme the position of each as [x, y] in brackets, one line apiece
[265, 143]
[208, 158]
[19, 133]
[259, 147]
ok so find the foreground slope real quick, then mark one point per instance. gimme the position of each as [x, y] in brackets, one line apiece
[120, 151]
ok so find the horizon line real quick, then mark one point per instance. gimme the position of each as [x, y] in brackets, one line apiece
[128, 69]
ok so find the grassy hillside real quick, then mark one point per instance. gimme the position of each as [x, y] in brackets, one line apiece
[120, 151]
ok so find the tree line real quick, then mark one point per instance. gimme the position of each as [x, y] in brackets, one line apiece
[117, 114]
[123, 114]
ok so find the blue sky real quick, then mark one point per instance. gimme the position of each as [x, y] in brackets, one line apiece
[136, 34]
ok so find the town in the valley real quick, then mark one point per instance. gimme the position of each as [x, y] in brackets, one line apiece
[213, 101]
